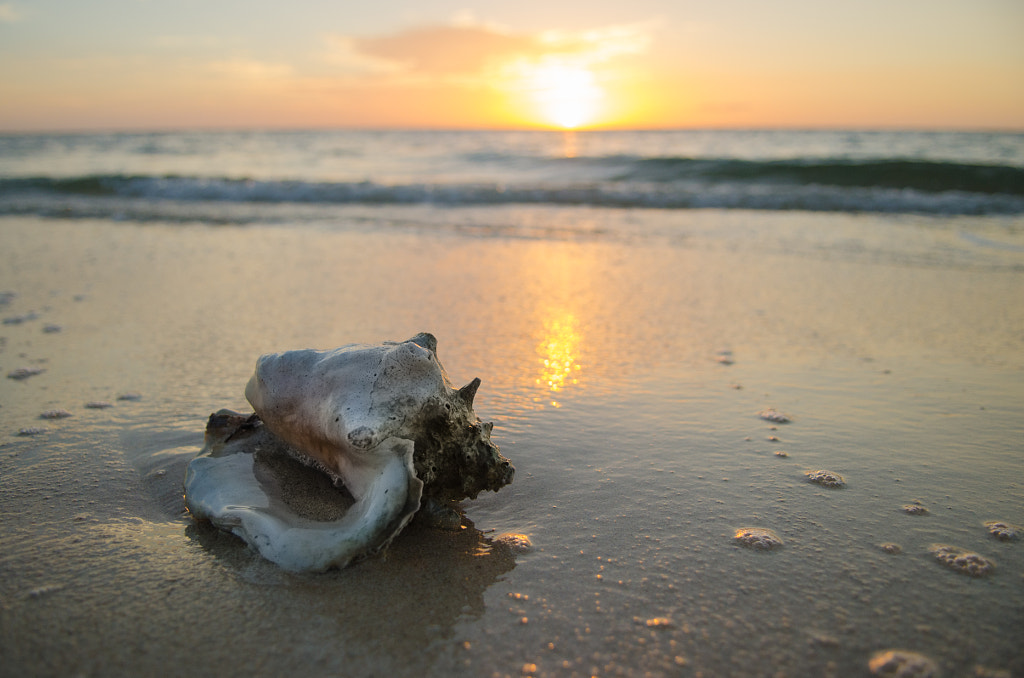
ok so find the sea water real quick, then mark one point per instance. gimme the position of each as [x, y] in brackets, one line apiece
[632, 302]
[219, 174]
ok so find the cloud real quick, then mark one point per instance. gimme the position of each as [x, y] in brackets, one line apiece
[344, 55]
[467, 18]
[599, 45]
[577, 52]
[185, 42]
[444, 50]
[9, 13]
[247, 69]
[471, 50]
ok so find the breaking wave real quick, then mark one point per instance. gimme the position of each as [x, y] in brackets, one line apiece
[885, 186]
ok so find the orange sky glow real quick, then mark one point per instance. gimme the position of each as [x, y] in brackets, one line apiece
[648, 64]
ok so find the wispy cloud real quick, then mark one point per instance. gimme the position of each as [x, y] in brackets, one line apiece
[248, 69]
[345, 57]
[9, 13]
[472, 51]
[598, 45]
[178, 42]
[444, 50]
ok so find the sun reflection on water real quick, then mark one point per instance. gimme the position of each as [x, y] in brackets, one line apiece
[569, 143]
[558, 354]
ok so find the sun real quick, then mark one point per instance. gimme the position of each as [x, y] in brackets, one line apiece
[566, 95]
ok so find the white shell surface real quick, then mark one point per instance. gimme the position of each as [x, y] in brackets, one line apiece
[338, 406]
[237, 490]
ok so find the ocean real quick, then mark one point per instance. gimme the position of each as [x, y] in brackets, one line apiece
[231, 177]
[637, 305]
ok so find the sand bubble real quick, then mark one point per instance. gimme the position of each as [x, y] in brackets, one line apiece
[759, 538]
[774, 416]
[964, 562]
[902, 664]
[826, 478]
[1003, 531]
[517, 543]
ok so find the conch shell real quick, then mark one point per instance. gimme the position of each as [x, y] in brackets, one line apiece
[384, 420]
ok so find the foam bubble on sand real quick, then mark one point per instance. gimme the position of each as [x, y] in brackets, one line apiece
[890, 547]
[775, 416]
[517, 543]
[55, 414]
[31, 431]
[825, 478]
[902, 664]
[758, 538]
[1003, 531]
[130, 396]
[964, 562]
[98, 405]
[23, 373]
[915, 509]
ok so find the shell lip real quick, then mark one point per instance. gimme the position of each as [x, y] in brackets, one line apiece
[237, 483]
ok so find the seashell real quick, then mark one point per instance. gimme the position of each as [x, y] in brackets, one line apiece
[382, 420]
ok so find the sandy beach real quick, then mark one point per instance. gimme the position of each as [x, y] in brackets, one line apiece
[624, 376]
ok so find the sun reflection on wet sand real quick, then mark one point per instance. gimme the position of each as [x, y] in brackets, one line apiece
[558, 353]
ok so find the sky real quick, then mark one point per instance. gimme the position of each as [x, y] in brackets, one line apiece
[69, 65]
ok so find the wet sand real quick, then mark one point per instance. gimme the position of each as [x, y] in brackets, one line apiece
[625, 380]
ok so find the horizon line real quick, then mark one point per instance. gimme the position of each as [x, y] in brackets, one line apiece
[207, 129]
